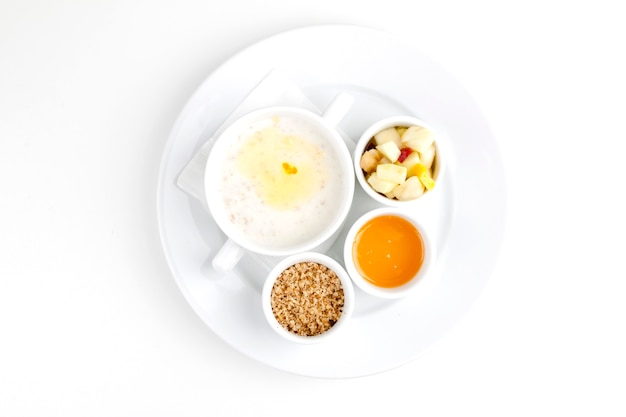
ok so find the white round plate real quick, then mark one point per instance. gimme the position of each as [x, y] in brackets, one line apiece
[387, 76]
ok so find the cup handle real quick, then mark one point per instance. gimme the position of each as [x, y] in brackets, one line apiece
[338, 108]
[227, 257]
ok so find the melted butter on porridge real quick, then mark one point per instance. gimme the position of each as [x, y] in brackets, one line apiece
[277, 183]
[285, 170]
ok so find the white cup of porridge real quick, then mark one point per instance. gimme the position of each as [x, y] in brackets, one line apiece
[279, 181]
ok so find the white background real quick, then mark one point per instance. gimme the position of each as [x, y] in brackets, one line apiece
[91, 320]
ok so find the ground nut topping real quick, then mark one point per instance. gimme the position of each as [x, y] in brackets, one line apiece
[307, 298]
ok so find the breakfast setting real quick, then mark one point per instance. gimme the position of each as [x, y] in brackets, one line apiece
[311, 224]
[279, 182]
[272, 208]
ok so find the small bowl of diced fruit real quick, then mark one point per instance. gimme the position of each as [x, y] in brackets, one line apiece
[397, 160]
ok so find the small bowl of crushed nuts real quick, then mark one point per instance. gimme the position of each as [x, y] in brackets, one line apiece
[308, 298]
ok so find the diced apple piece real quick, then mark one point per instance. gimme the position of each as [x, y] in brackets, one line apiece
[428, 156]
[391, 173]
[370, 159]
[389, 150]
[411, 132]
[387, 135]
[379, 185]
[418, 138]
[401, 130]
[417, 145]
[410, 189]
[410, 161]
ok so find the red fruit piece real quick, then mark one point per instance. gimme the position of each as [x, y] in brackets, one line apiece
[404, 153]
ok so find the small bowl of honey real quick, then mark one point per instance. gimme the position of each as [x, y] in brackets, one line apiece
[388, 253]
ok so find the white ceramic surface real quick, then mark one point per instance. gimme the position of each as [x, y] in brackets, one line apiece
[421, 282]
[466, 218]
[348, 292]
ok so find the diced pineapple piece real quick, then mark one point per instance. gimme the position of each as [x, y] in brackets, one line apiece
[389, 150]
[387, 135]
[418, 138]
[391, 172]
[410, 161]
[413, 171]
[410, 189]
[425, 176]
[428, 156]
[370, 159]
[379, 185]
